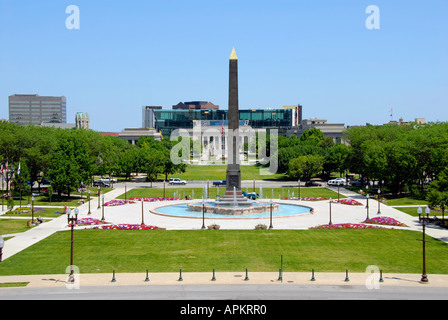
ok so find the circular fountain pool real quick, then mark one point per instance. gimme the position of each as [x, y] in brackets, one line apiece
[184, 211]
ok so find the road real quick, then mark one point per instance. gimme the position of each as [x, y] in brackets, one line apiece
[227, 292]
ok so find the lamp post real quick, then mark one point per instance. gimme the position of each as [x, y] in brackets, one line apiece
[72, 219]
[89, 203]
[2, 244]
[143, 222]
[270, 225]
[330, 212]
[203, 214]
[424, 276]
[32, 210]
[338, 191]
[125, 192]
[298, 184]
[99, 195]
[379, 200]
[102, 216]
[164, 188]
[367, 207]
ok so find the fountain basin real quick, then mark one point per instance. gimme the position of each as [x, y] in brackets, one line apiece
[216, 208]
[183, 211]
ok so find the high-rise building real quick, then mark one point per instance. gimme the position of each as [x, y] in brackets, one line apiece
[27, 109]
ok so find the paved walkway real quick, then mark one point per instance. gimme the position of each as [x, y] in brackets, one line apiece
[131, 214]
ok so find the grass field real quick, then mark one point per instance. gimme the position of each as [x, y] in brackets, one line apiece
[216, 173]
[102, 251]
[198, 193]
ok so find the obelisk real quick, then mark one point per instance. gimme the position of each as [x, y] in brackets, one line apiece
[233, 161]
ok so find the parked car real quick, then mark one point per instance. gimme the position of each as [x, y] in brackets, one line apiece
[100, 183]
[108, 180]
[220, 183]
[312, 184]
[336, 182]
[356, 183]
[177, 181]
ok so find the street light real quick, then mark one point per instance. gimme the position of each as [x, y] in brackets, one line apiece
[298, 182]
[99, 195]
[143, 222]
[367, 207]
[125, 193]
[379, 200]
[102, 216]
[203, 214]
[270, 225]
[89, 202]
[72, 219]
[330, 211]
[32, 210]
[2, 244]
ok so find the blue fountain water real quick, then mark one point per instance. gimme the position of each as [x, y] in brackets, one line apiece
[182, 210]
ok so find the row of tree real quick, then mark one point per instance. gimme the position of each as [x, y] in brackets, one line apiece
[401, 156]
[71, 157]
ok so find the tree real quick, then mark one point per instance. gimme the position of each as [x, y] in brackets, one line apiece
[305, 167]
[438, 192]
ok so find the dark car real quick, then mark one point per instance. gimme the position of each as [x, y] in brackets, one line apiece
[100, 183]
[312, 184]
[220, 183]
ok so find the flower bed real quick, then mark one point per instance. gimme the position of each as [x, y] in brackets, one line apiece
[127, 227]
[116, 202]
[348, 201]
[152, 199]
[385, 221]
[345, 226]
[88, 222]
[314, 198]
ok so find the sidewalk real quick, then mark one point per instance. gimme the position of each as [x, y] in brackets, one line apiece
[23, 240]
[233, 278]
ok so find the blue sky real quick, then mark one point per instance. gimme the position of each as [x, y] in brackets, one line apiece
[317, 53]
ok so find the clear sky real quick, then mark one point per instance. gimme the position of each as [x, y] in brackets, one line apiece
[317, 53]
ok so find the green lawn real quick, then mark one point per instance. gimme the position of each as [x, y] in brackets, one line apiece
[9, 226]
[102, 251]
[199, 192]
[216, 173]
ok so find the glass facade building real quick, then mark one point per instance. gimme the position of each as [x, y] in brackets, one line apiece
[168, 120]
[27, 109]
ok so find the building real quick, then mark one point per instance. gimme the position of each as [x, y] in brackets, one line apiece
[27, 109]
[195, 105]
[148, 116]
[332, 130]
[296, 114]
[82, 120]
[167, 121]
[133, 134]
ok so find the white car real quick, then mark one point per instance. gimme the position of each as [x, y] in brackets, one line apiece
[177, 181]
[108, 180]
[337, 182]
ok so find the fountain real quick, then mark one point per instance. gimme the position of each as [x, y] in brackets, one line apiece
[233, 203]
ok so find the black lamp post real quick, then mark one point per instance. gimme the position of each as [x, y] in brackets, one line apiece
[99, 195]
[203, 214]
[270, 225]
[143, 222]
[379, 200]
[72, 219]
[424, 276]
[298, 182]
[32, 210]
[330, 212]
[367, 207]
[102, 215]
[2, 244]
[89, 203]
